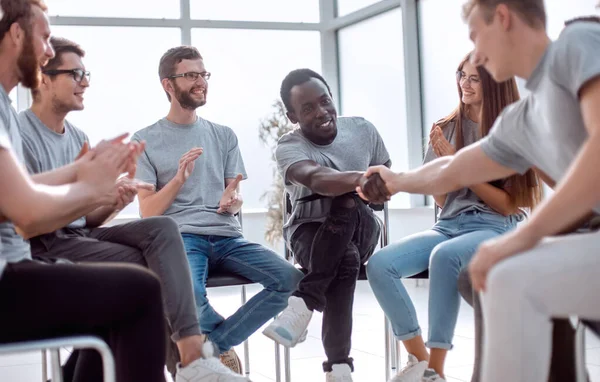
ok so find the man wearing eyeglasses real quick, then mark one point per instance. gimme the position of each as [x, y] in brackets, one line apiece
[196, 166]
[49, 142]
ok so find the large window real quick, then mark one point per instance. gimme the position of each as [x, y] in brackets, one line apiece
[116, 8]
[372, 82]
[247, 68]
[125, 94]
[257, 10]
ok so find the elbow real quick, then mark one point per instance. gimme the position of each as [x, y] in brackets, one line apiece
[28, 225]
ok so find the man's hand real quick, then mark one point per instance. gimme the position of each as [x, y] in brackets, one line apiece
[495, 250]
[126, 189]
[186, 164]
[230, 199]
[100, 170]
[387, 176]
[374, 189]
[439, 143]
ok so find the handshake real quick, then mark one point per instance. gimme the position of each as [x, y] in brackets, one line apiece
[375, 185]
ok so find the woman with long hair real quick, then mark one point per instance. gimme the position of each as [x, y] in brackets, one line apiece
[468, 217]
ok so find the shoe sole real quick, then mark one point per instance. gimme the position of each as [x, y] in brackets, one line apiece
[272, 334]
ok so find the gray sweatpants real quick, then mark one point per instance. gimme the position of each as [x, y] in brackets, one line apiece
[152, 242]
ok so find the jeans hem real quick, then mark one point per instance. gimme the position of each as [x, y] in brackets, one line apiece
[409, 335]
[439, 345]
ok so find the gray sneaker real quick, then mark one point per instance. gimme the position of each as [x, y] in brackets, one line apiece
[431, 375]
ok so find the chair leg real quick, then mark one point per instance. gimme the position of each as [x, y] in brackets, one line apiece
[580, 368]
[246, 343]
[44, 367]
[287, 364]
[56, 369]
[277, 362]
[387, 348]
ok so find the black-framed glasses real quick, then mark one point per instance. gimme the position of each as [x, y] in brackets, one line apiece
[462, 76]
[192, 76]
[78, 74]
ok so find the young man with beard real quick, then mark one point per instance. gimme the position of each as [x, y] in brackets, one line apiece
[331, 232]
[119, 303]
[50, 142]
[531, 274]
[196, 166]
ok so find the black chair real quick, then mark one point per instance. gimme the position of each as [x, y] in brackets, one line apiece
[392, 349]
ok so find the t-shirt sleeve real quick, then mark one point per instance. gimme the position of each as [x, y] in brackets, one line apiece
[234, 164]
[379, 155]
[498, 145]
[575, 58]
[287, 153]
[32, 162]
[145, 170]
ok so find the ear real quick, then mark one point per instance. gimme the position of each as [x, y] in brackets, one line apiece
[16, 33]
[292, 117]
[167, 86]
[504, 16]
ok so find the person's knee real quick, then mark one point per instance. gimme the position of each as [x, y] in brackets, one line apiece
[290, 280]
[344, 202]
[377, 265]
[444, 259]
[162, 228]
[505, 280]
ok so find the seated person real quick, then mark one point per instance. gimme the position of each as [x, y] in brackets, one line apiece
[119, 303]
[562, 366]
[468, 217]
[50, 142]
[530, 275]
[331, 232]
[200, 192]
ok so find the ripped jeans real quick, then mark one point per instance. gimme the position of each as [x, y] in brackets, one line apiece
[333, 252]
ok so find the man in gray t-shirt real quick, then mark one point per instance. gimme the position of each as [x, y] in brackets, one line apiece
[196, 166]
[556, 129]
[50, 142]
[331, 231]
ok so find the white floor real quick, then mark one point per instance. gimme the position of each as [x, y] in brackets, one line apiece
[367, 344]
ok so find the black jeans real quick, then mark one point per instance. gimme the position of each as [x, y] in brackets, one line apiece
[119, 303]
[333, 252]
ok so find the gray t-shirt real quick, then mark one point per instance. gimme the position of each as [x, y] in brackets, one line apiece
[13, 248]
[46, 150]
[463, 200]
[195, 206]
[357, 146]
[546, 128]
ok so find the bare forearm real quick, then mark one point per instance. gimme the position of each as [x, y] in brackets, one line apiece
[157, 203]
[574, 197]
[429, 179]
[334, 183]
[62, 175]
[496, 198]
[51, 208]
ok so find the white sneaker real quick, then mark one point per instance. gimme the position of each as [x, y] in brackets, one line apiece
[339, 373]
[207, 369]
[431, 375]
[412, 372]
[290, 327]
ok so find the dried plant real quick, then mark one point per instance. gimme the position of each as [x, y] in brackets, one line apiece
[270, 130]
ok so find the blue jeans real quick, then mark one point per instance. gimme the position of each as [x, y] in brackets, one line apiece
[445, 250]
[253, 261]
